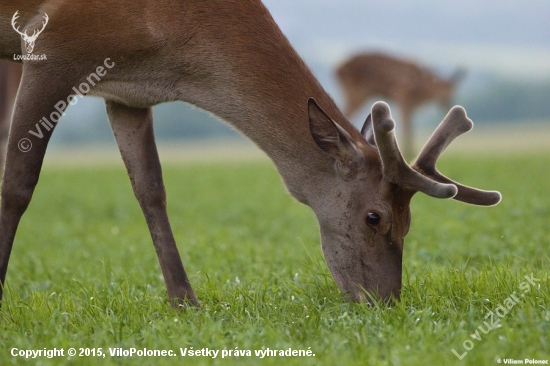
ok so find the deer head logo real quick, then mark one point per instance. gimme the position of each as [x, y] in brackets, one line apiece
[29, 40]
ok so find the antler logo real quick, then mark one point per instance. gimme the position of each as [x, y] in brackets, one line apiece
[29, 40]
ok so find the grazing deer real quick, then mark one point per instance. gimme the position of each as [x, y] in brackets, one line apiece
[230, 58]
[10, 75]
[369, 75]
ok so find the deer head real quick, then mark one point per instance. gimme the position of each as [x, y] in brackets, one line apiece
[444, 90]
[29, 40]
[364, 212]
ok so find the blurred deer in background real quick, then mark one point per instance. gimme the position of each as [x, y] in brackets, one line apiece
[409, 85]
[10, 76]
[231, 59]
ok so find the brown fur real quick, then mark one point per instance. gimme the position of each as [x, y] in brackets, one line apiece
[227, 57]
[10, 76]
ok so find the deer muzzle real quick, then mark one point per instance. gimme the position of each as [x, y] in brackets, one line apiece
[365, 273]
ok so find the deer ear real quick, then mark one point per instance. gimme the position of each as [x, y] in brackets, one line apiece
[331, 137]
[368, 132]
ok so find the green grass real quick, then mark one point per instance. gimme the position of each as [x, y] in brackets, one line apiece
[84, 273]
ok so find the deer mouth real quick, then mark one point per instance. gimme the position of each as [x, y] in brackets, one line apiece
[376, 286]
[366, 281]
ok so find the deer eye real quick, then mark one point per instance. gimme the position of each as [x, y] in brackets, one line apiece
[373, 219]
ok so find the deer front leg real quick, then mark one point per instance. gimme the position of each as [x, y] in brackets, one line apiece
[133, 130]
[10, 78]
[408, 135]
[43, 87]
[4, 132]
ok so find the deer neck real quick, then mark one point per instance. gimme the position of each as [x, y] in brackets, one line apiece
[270, 108]
[261, 87]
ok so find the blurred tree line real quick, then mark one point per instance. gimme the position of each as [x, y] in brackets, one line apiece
[490, 101]
[509, 101]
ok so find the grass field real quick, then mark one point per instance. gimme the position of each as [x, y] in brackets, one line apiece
[84, 273]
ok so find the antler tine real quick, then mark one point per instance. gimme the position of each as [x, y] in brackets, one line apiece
[455, 123]
[37, 32]
[13, 20]
[395, 169]
[44, 23]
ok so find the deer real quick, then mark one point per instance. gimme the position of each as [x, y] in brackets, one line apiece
[10, 75]
[367, 75]
[227, 57]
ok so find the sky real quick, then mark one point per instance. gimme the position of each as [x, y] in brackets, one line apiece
[507, 38]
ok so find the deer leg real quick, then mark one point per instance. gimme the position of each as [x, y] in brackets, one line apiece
[43, 88]
[4, 131]
[408, 137]
[133, 130]
[10, 79]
